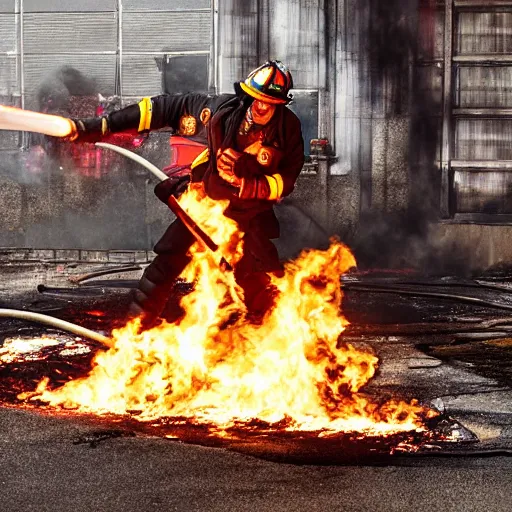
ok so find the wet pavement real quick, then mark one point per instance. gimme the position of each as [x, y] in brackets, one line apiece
[451, 353]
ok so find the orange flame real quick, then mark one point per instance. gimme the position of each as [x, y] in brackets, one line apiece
[215, 366]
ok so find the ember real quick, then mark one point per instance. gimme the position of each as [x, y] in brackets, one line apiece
[290, 372]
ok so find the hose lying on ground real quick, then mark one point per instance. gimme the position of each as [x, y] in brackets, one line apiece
[104, 272]
[58, 323]
[359, 287]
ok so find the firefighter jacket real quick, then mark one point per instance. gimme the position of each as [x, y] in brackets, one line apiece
[275, 152]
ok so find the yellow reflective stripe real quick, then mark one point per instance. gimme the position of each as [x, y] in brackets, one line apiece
[104, 126]
[146, 112]
[201, 158]
[280, 184]
[272, 182]
[149, 114]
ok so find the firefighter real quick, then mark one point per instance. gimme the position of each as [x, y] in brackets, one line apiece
[254, 154]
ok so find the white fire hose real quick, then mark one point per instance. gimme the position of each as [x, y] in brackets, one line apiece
[58, 323]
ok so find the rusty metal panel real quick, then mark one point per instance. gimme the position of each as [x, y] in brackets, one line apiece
[166, 5]
[68, 5]
[484, 33]
[483, 139]
[485, 86]
[431, 34]
[483, 192]
[102, 68]
[169, 31]
[70, 32]
[295, 39]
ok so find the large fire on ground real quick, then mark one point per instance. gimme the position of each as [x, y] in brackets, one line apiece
[217, 366]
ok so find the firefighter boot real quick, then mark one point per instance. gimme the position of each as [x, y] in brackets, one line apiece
[155, 288]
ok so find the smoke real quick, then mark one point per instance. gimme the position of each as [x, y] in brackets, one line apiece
[399, 235]
[56, 90]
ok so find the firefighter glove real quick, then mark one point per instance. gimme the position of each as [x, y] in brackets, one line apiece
[90, 129]
[233, 166]
[174, 186]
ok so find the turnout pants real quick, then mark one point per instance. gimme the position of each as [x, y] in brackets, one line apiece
[156, 298]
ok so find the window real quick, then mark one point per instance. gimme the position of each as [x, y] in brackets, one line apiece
[478, 132]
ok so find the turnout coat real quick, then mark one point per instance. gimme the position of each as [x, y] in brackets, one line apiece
[274, 153]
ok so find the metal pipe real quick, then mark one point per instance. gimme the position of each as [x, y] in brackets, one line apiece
[119, 51]
[58, 323]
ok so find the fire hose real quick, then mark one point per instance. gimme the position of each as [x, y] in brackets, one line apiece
[382, 288]
[58, 323]
[196, 230]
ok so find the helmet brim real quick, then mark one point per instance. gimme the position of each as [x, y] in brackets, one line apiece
[260, 96]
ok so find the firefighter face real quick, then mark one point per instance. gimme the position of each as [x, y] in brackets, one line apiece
[262, 112]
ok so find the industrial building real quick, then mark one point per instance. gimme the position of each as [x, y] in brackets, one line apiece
[408, 102]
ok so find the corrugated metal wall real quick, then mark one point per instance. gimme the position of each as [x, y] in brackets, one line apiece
[9, 65]
[115, 42]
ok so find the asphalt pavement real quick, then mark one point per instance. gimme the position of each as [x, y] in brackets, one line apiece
[45, 468]
[60, 464]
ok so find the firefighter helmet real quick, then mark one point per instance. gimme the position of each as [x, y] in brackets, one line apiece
[270, 83]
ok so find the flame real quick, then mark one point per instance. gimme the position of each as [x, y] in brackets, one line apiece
[215, 366]
[19, 349]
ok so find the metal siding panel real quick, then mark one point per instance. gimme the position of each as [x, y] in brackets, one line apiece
[7, 33]
[100, 67]
[8, 6]
[483, 192]
[351, 100]
[185, 73]
[238, 39]
[165, 5]
[166, 31]
[294, 39]
[141, 76]
[431, 34]
[9, 139]
[69, 5]
[484, 32]
[485, 86]
[9, 75]
[70, 32]
[483, 139]
[430, 85]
